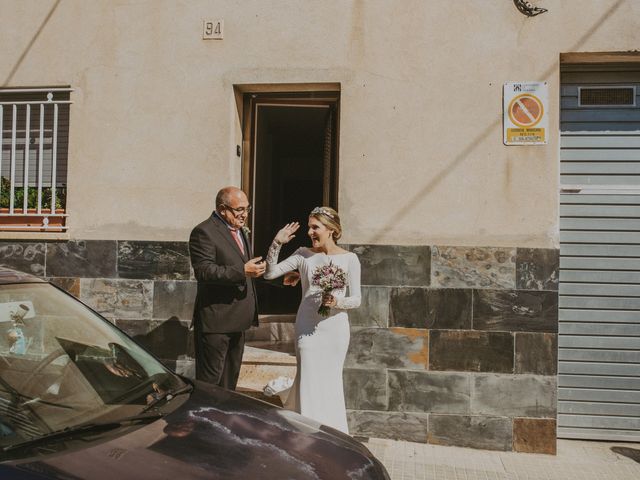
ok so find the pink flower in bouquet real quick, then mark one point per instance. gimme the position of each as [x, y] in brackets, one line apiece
[329, 278]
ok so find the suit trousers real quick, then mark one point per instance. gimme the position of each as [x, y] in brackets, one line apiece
[219, 357]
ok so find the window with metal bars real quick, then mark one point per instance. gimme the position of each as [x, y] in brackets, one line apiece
[34, 135]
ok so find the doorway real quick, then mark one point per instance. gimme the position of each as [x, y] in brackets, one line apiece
[290, 168]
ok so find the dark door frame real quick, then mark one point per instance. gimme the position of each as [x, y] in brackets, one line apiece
[253, 100]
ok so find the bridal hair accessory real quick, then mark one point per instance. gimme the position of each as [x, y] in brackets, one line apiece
[322, 211]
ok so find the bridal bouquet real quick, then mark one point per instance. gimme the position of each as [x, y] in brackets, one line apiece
[328, 278]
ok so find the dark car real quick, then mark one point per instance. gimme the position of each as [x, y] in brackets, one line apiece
[80, 400]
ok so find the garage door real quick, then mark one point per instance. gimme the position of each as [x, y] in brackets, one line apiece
[599, 332]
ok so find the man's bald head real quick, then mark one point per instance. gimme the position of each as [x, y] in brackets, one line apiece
[227, 196]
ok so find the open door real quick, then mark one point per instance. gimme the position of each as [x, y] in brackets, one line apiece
[291, 167]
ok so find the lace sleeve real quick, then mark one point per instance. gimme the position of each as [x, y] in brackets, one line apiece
[354, 297]
[275, 269]
[273, 253]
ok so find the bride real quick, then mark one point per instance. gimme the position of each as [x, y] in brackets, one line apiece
[322, 325]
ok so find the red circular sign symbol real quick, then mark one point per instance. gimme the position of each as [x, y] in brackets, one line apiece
[525, 110]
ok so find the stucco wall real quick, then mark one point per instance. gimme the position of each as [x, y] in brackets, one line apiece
[154, 121]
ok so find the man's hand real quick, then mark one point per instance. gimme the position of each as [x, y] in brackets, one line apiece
[255, 267]
[291, 278]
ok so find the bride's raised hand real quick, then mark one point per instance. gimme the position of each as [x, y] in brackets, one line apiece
[286, 233]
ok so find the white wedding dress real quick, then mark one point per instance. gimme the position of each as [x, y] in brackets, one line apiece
[321, 342]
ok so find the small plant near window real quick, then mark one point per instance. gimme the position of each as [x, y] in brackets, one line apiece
[32, 196]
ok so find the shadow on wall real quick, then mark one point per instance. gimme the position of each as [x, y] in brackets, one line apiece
[466, 154]
[27, 48]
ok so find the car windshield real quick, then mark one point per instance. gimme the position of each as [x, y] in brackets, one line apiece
[61, 365]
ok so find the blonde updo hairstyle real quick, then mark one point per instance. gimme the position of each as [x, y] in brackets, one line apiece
[330, 219]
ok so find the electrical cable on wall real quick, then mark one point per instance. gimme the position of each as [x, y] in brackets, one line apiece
[528, 9]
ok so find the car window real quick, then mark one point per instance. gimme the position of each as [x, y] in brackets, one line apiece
[63, 365]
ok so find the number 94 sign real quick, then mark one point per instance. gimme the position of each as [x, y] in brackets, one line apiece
[212, 29]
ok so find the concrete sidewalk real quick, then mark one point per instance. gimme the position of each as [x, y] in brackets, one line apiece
[576, 460]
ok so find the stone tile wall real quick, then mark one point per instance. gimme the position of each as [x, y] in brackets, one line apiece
[456, 346]
[144, 288]
[451, 346]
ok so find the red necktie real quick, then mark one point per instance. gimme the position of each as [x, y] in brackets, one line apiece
[236, 237]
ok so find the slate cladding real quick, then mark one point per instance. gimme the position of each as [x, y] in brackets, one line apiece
[451, 346]
[456, 346]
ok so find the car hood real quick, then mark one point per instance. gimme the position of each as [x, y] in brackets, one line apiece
[215, 433]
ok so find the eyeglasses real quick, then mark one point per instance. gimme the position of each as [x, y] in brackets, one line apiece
[239, 211]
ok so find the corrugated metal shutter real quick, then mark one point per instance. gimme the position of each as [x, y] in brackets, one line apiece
[599, 332]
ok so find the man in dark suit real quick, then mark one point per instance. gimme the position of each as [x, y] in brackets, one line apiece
[226, 303]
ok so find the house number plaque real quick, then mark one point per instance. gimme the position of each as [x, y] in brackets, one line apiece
[212, 29]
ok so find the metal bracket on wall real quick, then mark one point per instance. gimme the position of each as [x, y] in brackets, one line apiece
[528, 9]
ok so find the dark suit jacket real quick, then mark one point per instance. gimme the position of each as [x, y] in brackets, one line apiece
[226, 299]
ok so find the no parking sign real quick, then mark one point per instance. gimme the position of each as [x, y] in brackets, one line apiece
[525, 113]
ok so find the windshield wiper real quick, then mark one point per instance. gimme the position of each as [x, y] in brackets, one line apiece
[86, 428]
[168, 396]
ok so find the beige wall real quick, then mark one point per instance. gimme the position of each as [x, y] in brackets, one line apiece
[154, 122]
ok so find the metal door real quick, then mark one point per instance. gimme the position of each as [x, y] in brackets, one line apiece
[599, 330]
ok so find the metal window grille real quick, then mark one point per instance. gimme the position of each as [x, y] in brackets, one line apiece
[607, 96]
[34, 131]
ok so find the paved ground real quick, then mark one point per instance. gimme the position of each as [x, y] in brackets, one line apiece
[576, 460]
